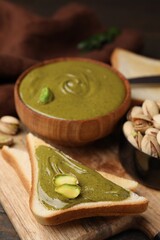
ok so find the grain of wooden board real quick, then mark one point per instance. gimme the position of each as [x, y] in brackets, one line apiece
[102, 155]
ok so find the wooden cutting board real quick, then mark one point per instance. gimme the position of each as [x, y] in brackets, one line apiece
[102, 155]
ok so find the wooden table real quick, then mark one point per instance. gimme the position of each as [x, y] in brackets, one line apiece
[102, 155]
[142, 15]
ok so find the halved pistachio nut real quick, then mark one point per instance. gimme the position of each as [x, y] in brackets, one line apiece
[9, 125]
[67, 185]
[46, 95]
[61, 179]
[68, 190]
[5, 140]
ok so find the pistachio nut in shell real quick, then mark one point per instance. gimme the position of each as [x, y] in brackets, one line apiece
[158, 103]
[136, 110]
[5, 140]
[132, 140]
[150, 108]
[158, 137]
[8, 128]
[150, 146]
[156, 121]
[152, 131]
[139, 138]
[141, 123]
[9, 125]
[135, 139]
[128, 128]
[10, 119]
[143, 117]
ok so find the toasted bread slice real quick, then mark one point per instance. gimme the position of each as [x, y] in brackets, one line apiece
[132, 205]
[19, 160]
[133, 65]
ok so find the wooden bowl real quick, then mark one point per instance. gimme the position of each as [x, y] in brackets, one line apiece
[70, 132]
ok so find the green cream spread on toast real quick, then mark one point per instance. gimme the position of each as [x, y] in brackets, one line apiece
[92, 186]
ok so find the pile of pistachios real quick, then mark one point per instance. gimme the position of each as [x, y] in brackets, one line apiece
[9, 126]
[142, 128]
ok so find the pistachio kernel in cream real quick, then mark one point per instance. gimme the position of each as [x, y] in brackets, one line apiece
[68, 190]
[61, 179]
[46, 95]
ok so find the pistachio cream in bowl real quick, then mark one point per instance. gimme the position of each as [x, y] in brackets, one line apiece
[71, 101]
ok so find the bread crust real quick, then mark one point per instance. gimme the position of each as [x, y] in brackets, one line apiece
[12, 161]
[133, 205]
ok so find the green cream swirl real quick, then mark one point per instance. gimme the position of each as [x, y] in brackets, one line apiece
[72, 84]
[81, 89]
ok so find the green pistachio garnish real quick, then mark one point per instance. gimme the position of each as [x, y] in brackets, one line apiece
[68, 190]
[46, 95]
[98, 40]
[67, 185]
[61, 179]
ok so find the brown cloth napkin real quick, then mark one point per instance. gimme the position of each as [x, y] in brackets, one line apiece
[26, 38]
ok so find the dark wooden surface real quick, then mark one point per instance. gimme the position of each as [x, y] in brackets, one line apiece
[139, 14]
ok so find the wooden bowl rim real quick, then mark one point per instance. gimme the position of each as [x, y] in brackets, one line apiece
[126, 99]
